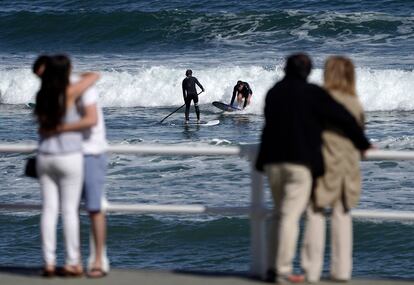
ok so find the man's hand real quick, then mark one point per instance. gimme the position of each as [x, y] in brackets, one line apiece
[364, 152]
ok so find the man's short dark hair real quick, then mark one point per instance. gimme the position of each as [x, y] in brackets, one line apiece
[188, 72]
[41, 60]
[298, 65]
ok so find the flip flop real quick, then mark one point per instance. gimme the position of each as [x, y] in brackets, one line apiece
[48, 273]
[72, 271]
[96, 273]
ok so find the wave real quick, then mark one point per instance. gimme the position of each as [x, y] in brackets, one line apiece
[136, 30]
[400, 6]
[160, 86]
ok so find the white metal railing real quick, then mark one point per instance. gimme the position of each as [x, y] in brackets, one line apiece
[202, 150]
[257, 209]
[201, 209]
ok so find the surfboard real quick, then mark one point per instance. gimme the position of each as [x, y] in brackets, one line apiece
[30, 105]
[209, 123]
[225, 107]
[194, 123]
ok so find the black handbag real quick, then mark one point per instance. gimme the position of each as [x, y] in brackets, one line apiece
[30, 169]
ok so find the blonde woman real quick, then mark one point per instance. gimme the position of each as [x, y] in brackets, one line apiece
[340, 186]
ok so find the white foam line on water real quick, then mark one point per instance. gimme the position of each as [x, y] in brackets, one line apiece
[156, 86]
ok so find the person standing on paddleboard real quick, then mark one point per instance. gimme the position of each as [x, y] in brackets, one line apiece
[242, 91]
[190, 93]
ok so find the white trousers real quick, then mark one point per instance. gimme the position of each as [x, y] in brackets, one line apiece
[61, 179]
[341, 243]
[291, 187]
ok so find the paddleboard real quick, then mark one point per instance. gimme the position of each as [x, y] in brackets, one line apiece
[225, 107]
[30, 105]
[194, 123]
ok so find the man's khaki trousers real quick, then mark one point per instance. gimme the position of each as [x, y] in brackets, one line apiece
[291, 188]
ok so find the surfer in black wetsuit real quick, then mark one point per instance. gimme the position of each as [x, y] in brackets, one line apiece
[242, 91]
[190, 93]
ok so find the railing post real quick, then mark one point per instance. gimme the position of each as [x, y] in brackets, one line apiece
[258, 242]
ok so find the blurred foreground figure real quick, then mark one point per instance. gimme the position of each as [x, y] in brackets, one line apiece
[296, 112]
[60, 160]
[340, 187]
[94, 146]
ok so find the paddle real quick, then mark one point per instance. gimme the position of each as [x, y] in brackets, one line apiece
[172, 113]
[176, 110]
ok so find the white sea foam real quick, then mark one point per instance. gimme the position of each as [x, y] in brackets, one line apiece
[156, 86]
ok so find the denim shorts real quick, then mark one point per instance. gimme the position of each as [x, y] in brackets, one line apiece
[93, 186]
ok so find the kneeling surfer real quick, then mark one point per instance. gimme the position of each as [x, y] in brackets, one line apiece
[242, 91]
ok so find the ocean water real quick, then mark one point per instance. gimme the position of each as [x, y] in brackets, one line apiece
[142, 49]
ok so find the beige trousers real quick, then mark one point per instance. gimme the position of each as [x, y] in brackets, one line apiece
[291, 187]
[314, 243]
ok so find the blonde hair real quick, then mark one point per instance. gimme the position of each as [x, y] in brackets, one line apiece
[339, 75]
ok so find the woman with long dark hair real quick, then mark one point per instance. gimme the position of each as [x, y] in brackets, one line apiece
[60, 160]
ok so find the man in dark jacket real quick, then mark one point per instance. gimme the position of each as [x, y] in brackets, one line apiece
[190, 93]
[296, 113]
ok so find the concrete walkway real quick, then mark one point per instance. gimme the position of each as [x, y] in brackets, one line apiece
[19, 275]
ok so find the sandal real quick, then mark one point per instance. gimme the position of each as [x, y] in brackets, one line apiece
[96, 273]
[72, 271]
[290, 279]
[48, 272]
